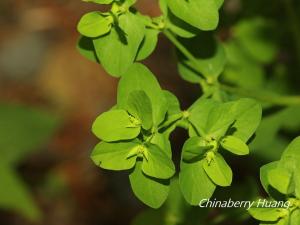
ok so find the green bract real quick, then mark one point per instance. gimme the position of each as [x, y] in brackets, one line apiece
[199, 187]
[213, 119]
[195, 147]
[210, 65]
[151, 191]
[217, 169]
[116, 125]
[139, 77]
[114, 156]
[86, 48]
[201, 14]
[94, 24]
[118, 49]
[148, 44]
[281, 182]
[139, 106]
[235, 145]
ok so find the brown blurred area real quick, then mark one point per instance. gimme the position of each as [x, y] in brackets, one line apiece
[40, 67]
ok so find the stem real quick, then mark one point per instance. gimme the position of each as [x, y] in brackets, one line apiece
[294, 24]
[181, 48]
[264, 96]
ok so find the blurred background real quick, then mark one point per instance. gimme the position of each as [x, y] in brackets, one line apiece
[50, 95]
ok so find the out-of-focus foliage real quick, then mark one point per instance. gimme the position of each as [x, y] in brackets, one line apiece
[23, 130]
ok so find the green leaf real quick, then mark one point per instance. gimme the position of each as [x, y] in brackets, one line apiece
[292, 151]
[14, 194]
[264, 171]
[295, 217]
[248, 113]
[199, 113]
[162, 141]
[179, 27]
[139, 77]
[148, 44]
[139, 106]
[195, 147]
[117, 50]
[194, 183]
[23, 130]
[174, 114]
[99, 1]
[235, 145]
[94, 24]
[214, 119]
[114, 156]
[158, 164]
[219, 3]
[115, 125]
[282, 180]
[265, 214]
[252, 36]
[86, 48]
[198, 13]
[151, 191]
[210, 64]
[290, 162]
[218, 170]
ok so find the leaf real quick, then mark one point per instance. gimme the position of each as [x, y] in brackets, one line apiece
[198, 13]
[199, 113]
[99, 1]
[218, 170]
[158, 165]
[153, 192]
[174, 114]
[295, 217]
[115, 125]
[179, 27]
[264, 171]
[14, 194]
[265, 214]
[292, 151]
[253, 36]
[94, 24]
[290, 162]
[148, 44]
[23, 130]
[194, 183]
[219, 3]
[86, 48]
[139, 105]
[195, 147]
[114, 156]
[214, 119]
[162, 141]
[210, 64]
[235, 145]
[117, 50]
[282, 180]
[139, 77]
[248, 113]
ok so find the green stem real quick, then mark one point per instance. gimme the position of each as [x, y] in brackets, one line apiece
[294, 24]
[181, 48]
[264, 96]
